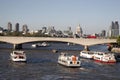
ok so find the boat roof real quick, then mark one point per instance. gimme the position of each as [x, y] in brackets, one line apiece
[19, 51]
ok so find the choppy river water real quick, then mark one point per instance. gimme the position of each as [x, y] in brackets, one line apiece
[42, 64]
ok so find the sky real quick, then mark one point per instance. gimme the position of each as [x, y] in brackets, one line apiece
[92, 15]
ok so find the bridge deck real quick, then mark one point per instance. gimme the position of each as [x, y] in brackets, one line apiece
[81, 41]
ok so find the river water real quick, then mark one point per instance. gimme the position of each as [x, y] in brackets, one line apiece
[42, 64]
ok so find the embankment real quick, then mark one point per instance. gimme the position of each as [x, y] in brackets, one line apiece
[117, 50]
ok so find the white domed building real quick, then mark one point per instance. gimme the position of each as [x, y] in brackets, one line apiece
[79, 31]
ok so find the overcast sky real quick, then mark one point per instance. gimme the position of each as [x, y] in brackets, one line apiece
[92, 15]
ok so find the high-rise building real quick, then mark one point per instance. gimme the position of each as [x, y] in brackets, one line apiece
[70, 31]
[44, 29]
[9, 26]
[51, 29]
[103, 34]
[25, 28]
[17, 27]
[1, 30]
[69, 28]
[114, 29]
[79, 31]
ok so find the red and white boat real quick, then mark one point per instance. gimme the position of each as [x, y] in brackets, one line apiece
[104, 57]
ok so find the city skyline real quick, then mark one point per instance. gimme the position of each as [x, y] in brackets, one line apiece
[92, 15]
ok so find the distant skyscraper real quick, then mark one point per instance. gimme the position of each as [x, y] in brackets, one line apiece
[69, 28]
[70, 31]
[114, 29]
[44, 29]
[25, 28]
[79, 31]
[1, 30]
[103, 34]
[51, 29]
[17, 27]
[9, 26]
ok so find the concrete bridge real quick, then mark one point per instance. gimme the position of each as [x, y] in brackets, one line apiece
[18, 41]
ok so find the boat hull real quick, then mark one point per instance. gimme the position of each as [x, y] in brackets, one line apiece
[18, 56]
[18, 60]
[70, 65]
[111, 61]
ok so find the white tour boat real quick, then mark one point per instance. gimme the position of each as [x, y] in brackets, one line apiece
[69, 61]
[44, 44]
[104, 57]
[87, 54]
[18, 56]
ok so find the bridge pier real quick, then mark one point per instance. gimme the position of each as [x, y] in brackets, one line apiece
[17, 46]
[86, 48]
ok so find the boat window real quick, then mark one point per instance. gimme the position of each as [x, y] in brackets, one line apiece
[21, 57]
[105, 53]
[70, 62]
[18, 53]
[100, 53]
[77, 62]
[84, 52]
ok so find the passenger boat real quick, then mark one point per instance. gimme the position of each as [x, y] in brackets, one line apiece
[104, 57]
[70, 44]
[69, 60]
[18, 56]
[44, 44]
[87, 54]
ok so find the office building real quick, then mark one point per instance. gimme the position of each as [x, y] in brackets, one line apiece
[25, 28]
[17, 27]
[68, 32]
[103, 34]
[114, 29]
[9, 26]
[44, 30]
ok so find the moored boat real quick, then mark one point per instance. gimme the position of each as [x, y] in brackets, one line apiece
[44, 44]
[69, 60]
[104, 57]
[18, 56]
[87, 54]
[70, 44]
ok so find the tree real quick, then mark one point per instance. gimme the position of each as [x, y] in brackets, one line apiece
[118, 41]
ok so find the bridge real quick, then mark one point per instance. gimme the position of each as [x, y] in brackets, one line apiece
[18, 41]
